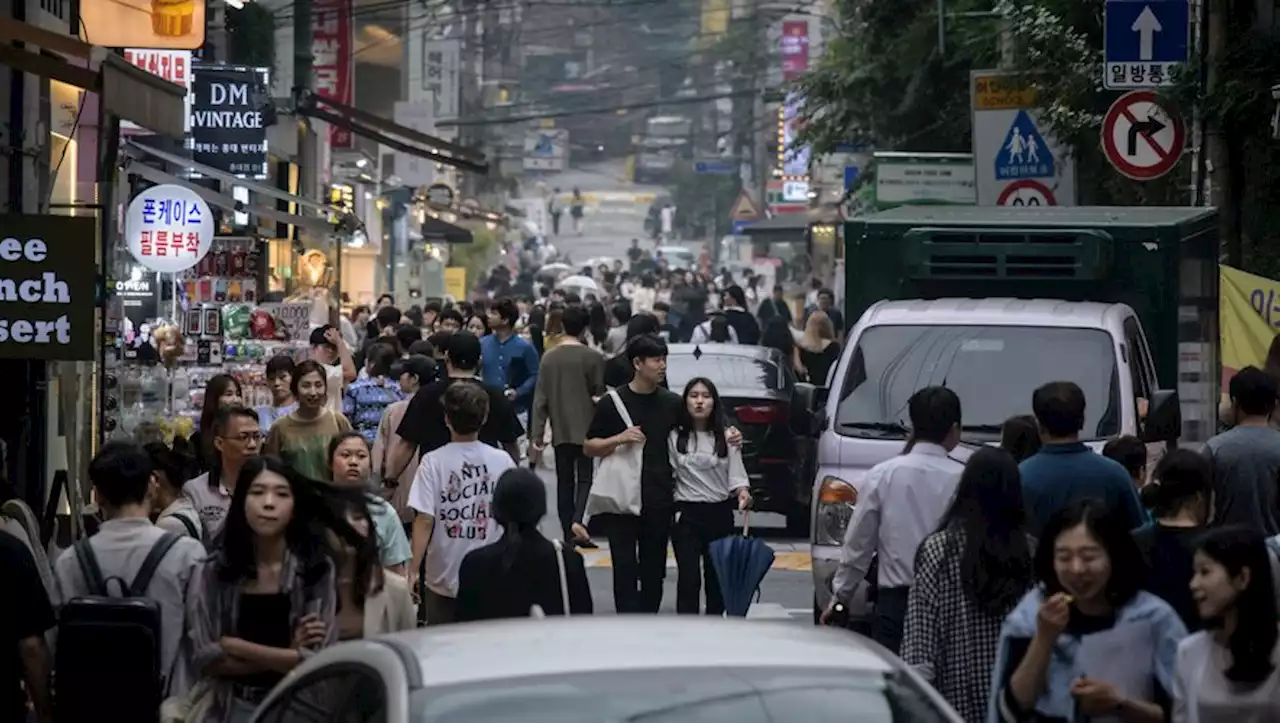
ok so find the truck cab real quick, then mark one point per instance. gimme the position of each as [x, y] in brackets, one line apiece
[993, 303]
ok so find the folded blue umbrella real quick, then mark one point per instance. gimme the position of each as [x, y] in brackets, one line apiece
[741, 563]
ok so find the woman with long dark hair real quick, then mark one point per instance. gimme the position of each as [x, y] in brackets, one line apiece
[522, 569]
[1180, 498]
[777, 335]
[222, 390]
[969, 575]
[710, 480]
[1091, 577]
[1227, 673]
[371, 599]
[597, 325]
[265, 597]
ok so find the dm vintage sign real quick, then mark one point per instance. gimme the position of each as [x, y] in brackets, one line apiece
[229, 109]
[47, 278]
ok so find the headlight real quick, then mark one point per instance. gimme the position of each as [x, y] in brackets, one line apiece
[836, 500]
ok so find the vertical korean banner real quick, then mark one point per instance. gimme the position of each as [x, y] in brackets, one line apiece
[332, 45]
[794, 48]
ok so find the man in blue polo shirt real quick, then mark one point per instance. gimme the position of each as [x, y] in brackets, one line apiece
[1065, 469]
[507, 360]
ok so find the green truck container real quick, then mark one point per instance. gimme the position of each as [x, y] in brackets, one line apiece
[1162, 262]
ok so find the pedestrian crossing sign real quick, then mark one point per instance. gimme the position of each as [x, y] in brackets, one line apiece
[1025, 154]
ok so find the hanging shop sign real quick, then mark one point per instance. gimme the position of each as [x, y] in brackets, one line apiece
[172, 65]
[229, 122]
[332, 44]
[160, 24]
[169, 228]
[47, 288]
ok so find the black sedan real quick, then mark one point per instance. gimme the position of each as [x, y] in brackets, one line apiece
[756, 386]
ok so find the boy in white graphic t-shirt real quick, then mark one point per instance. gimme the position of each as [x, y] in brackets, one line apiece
[452, 493]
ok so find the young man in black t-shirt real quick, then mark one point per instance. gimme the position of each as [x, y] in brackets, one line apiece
[638, 544]
[423, 428]
[25, 616]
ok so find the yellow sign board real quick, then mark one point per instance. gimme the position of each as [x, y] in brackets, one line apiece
[744, 209]
[154, 24]
[715, 18]
[1003, 91]
[455, 282]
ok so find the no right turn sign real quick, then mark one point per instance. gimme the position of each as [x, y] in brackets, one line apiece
[1141, 138]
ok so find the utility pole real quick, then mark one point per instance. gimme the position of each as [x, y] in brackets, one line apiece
[302, 81]
[1217, 181]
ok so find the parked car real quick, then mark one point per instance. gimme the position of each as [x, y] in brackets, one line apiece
[756, 387]
[605, 670]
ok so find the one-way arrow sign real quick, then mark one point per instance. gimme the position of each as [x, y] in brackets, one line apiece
[1147, 41]
[1146, 26]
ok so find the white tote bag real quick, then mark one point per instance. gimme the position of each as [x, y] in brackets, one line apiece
[616, 487]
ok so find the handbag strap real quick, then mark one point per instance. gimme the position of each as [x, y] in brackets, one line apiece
[564, 576]
[622, 409]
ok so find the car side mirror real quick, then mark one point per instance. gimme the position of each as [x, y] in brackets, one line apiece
[1164, 418]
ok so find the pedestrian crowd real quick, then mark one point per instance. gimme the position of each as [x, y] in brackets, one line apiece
[382, 489]
[1043, 581]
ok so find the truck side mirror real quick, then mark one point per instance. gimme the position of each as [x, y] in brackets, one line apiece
[1164, 418]
[807, 402]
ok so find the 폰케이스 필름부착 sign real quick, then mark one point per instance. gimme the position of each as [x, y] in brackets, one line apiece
[47, 277]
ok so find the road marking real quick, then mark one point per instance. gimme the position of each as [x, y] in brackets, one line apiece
[786, 557]
[774, 611]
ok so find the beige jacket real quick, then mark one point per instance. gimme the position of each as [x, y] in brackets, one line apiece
[391, 610]
[383, 441]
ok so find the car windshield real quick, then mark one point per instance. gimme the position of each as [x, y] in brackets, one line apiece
[722, 695]
[994, 370]
[727, 371]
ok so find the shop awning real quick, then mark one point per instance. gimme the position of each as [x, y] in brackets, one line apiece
[126, 91]
[436, 231]
[133, 167]
[138, 150]
[402, 138]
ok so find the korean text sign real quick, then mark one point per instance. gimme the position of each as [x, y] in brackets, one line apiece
[1248, 318]
[47, 288]
[228, 119]
[169, 228]
[172, 65]
[331, 47]
[794, 48]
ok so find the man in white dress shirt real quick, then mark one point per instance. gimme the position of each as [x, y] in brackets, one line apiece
[901, 503]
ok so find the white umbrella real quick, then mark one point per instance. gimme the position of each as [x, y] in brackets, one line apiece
[555, 268]
[585, 283]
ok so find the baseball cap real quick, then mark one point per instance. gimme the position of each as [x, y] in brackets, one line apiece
[463, 350]
[317, 335]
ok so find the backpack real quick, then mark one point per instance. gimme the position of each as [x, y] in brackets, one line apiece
[108, 649]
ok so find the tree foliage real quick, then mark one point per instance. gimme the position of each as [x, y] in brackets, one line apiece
[884, 83]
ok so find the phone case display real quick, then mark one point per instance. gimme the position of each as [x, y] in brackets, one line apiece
[228, 273]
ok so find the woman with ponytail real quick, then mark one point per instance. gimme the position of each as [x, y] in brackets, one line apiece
[522, 569]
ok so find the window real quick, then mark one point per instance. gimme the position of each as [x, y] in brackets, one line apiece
[994, 370]
[740, 373]
[682, 695]
[345, 693]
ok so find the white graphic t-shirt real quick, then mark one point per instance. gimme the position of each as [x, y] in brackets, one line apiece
[454, 485]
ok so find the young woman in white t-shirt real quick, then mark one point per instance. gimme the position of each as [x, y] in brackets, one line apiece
[710, 478]
[1230, 671]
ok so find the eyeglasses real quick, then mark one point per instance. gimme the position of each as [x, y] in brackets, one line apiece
[247, 437]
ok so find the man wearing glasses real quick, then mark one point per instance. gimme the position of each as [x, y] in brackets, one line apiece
[236, 437]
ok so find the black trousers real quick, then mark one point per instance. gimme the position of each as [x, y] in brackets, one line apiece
[573, 484]
[696, 525]
[890, 617]
[638, 550]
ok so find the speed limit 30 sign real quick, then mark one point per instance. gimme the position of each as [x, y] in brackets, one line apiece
[1026, 193]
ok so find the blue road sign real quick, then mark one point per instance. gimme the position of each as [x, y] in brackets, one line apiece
[1145, 42]
[1025, 154]
[851, 177]
[716, 166]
